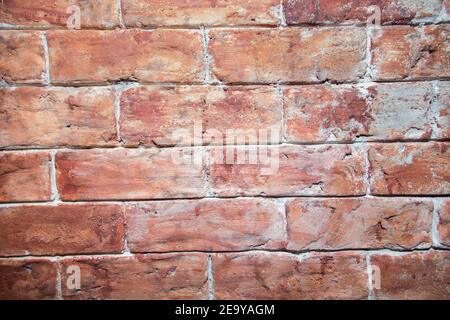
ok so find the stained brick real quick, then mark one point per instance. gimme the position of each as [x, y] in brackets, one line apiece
[129, 174]
[44, 14]
[349, 11]
[335, 224]
[25, 176]
[205, 225]
[151, 13]
[413, 276]
[30, 279]
[411, 52]
[288, 171]
[171, 276]
[158, 115]
[21, 57]
[62, 229]
[414, 169]
[444, 222]
[144, 55]
[263, 276]
[33, 116]
[288, 55]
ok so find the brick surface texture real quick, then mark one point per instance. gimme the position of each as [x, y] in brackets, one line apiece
[225, 149]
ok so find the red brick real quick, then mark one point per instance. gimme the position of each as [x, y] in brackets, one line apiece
[288, 55]
[205, 225]
[410, 169]
[62, 229]
[31, 279]
[335, 224]
[411, 52]
[144, 55]
[21, 57]
[154, 13]
[161, 277]
[25, 177]
[349, 11]
[289, 171]
[44, 14]
[280, 276]
[127, 174]
[441, 111]
[34, 116]
[413, 276]
[394, 111]
[151, 115]
[444, 223]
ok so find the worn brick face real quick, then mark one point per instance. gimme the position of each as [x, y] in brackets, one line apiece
[151, 56]
[291, 171]
[444, 223]
[42, 117]
[30, 279]
[288, 55]
[284, 276]
[123, 174]
[395, 111]
[349, 11]
[154, 115]
[414, 169]
[405, 52]
[206, 225]
[25, 177]
[413, 276]
[21, 57]
[148, 13]
[161, 277]
[337, 224]
[61, 229]
[43, 14]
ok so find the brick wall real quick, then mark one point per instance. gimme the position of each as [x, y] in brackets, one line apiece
[357, 206]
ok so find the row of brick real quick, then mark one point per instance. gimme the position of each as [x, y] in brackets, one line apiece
[224, 225]
[252, 275]
[293, 55]
[152, 115]
[174, 173]
[45, 14]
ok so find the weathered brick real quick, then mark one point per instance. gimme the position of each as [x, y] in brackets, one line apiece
[288, 55]
[394, 111]
[414, 169]
[25, 177]
[282, 276]
[334, 224]
[33, 116]
[349, 11]
[31, 279]
[44, 14]
[128, 174]
[152, 115]
[412, 276]
[144, 55]
[151, 13]
[167, 276]
[288, 171]
[441, 111]
[21, 57]
[444, 223]
[62, 229]
[405, 52]
[205, 225]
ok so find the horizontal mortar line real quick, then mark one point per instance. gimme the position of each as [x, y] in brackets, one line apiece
[196, 27]
[257, 197]
[213, 146]
[131, 84]
[290, 252]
